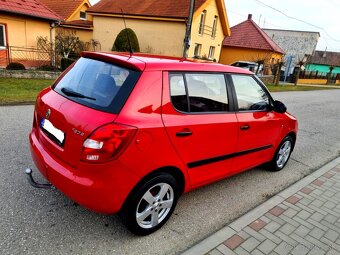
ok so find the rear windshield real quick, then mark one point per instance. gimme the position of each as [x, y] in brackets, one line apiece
[99, 85]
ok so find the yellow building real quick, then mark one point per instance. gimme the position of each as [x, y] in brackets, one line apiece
[74, 16]
[160, 25]
[249, 43]
[20, 25]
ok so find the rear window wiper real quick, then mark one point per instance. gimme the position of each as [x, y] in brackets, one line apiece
[72, 93]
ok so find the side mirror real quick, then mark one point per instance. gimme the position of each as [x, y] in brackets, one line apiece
[279, 107]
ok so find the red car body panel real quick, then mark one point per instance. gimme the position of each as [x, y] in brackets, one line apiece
[104, 187]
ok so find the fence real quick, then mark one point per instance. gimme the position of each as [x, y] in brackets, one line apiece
[30, 57]
[319, 77]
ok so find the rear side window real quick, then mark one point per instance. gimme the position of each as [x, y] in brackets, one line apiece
[99, 85]
[196, 92]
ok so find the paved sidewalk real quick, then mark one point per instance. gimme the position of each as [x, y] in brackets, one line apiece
[303, 219]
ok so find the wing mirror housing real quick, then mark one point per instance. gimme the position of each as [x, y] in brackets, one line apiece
[279, 107]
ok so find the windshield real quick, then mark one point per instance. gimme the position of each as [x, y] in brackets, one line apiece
[99, 85]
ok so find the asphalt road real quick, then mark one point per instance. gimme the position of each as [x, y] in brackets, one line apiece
[34, 221]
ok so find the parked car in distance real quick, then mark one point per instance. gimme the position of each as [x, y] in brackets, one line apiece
[250, 66]
[128, 134]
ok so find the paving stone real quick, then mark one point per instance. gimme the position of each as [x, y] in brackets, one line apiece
[329, 205]
[303, 222]
[254, 233]
[225, 250]
[272, 226]
[276, 211]
[306, 190]
[283, 248]
[257, 252]
[233, 242]
[305, 208]
[317, 224]
[329, 193]
[318, 182]
[250, 244]
[317, 216]
[303, 215]
[302, 231]
[243, 234]
[317, 243]
[305, 201]
[291, 206]
[290, 212]
[300, 250]
[265, 219]
[328, 175]
[318, 192]
[317, 233]
[331, 235]
[289, 220]
[286, 238]
[257, 224]
[270, 236]
[302, 241]
[287, 229]
[331, 244]
[292, 199]
[317, 203]
[331, 218]
[267, 246]
[215, 252]
[316, 251]
[332, 252]
[240, 251]
[274, 218]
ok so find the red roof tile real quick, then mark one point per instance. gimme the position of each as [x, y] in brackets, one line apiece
[249, 35]
[33, 8]
[64, 8]
[153, 8]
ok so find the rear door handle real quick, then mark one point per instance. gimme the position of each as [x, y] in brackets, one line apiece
[245, 127]
[183, 133]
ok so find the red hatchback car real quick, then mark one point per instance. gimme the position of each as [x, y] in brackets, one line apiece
[131, 133]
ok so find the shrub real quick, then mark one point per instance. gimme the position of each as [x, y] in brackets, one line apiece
[122, 41]
[15, 66]
[65, 63]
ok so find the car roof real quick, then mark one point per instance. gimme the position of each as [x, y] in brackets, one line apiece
[148, 62]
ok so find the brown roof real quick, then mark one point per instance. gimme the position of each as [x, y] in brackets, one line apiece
[33, 8]
[64, 8]
[78, 23]
[249, 35]
[153, 8]
[325, 58]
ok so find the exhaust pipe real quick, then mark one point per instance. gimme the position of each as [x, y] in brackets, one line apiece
[35, 184]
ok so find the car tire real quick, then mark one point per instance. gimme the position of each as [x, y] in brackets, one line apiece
[150, 206]
[282, 154]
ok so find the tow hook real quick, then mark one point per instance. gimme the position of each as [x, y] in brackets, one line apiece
[35, 184]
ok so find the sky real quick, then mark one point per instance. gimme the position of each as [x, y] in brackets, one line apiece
[305, 15]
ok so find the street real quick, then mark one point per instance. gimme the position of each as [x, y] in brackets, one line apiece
[36, 221]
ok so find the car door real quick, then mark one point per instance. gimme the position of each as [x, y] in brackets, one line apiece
[259, 126]
[200, 123]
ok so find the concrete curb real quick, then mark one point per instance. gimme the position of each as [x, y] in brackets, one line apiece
[217, 238]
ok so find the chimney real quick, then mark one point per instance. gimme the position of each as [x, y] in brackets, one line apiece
[250, 16]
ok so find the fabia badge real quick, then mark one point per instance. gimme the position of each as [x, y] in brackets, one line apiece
[48, 113]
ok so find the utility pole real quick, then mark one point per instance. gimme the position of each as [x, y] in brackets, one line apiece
[188, 29]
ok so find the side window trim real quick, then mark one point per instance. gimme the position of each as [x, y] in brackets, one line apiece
[186, 91]
[235, 103]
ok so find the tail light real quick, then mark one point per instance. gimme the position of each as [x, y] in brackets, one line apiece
[107, 142]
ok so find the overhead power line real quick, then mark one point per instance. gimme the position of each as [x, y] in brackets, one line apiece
[300, 20]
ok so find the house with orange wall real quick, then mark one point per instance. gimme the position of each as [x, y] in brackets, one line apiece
[160, 25]
[74, 16]
[248, 42]
[21, 22]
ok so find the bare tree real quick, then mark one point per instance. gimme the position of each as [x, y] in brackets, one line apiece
[66, 42]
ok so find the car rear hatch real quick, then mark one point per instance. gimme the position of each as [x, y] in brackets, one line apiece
[88, 96]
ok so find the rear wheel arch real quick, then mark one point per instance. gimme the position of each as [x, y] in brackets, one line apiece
[173, 171]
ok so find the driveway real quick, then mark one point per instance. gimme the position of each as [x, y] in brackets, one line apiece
[37, 221]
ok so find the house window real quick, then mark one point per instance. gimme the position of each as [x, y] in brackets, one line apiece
[197, 51]
[2, 36]
[202, 21]
[83, 15]
[211, 52]
[213, 32]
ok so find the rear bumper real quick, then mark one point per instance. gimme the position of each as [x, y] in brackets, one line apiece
[102, 188]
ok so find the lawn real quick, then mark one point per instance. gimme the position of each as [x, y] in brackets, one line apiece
[21, 91]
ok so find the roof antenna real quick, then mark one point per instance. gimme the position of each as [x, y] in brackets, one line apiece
[127, 34]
